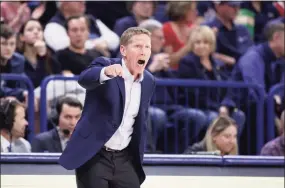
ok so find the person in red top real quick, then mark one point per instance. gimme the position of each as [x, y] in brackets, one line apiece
[182, 15]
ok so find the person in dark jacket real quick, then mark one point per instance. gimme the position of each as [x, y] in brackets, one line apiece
[256, 66]
[11, 62]
[200, 64]
[68, 111]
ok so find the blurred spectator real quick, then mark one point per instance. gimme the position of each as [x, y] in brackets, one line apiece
[159, 66]
[276, 147]
[67, 113]
[182, 15]
[221, 137]
[206, 10]
[39, 63]
[102, 9]
[13, 125]
[11, 62]
[201, 65]
[141, 10]
[15, 13]
[255, 15]
[101, 37]
[232, 40]
[76, 58]
[256, 66]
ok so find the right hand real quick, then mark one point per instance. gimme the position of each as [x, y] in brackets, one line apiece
[40, 47]
[114, 70]
[159, 62]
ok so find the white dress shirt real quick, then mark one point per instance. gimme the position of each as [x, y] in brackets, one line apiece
[19, 145]
[56, 36]
[122, 136]
[63, 139]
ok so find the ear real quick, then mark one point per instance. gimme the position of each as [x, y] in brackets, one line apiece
[123, 50]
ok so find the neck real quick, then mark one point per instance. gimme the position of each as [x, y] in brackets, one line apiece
[228, 24]
[6, 135]
[139, 19]
[30, 53]
[204, 58]
[272, 46]
[77, 50]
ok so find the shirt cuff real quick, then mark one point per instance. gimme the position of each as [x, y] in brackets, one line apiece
[103, 76]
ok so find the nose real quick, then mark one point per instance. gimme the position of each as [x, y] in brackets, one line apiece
[26, 123]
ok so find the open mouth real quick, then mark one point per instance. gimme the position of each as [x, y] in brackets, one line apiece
[141, 62]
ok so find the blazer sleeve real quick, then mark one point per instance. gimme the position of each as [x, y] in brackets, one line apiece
[90, 78]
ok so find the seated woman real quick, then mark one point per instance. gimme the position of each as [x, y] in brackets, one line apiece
[200, 64]
[221, 137]
[39, 63]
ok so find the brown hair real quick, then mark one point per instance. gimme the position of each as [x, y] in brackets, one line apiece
[273, 28]
[177, 10]
[21, 46]
[218, 126]
[130, 32]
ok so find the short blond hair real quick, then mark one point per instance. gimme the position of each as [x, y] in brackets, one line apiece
[130, 32]
[206, 33]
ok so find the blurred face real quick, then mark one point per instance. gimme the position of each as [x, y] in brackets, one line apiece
[20, 123]
[74, 8]
[137, 53]
[8, 47]
[69, 117]
[191, 13]
[201, 47]
[226, 140]
[228, 12]
[280, 44]
[143, 9]
[78, 32]
[32, 32]
[157, 40]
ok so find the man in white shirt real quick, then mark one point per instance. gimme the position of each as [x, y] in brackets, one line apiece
[107, 146]
[13, 125]
[101, 37]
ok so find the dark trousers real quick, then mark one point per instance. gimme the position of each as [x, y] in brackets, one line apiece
[108, 169]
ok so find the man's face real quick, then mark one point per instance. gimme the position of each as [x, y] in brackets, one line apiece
[20, 123]
[8, 47]
[280, 43]
[78, 32]
[69, 117]
[143, 9]
[157, 40]
[137, 53]
[228, 12]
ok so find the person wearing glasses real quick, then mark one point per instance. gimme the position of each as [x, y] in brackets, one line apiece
[12, 126]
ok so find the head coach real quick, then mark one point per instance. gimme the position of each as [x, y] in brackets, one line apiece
[106, 148]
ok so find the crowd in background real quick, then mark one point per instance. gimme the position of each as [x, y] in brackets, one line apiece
[214, 41]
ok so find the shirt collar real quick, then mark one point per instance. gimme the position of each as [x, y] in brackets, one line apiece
[4, 143]
[128, 75]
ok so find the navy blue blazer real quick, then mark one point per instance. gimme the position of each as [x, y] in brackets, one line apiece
[190, 67]
[48, 141]
[102, 115]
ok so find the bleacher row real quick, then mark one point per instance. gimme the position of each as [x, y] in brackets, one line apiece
[263, 131]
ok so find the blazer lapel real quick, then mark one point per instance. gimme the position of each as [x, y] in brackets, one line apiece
[121, 84]
[56, 141]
